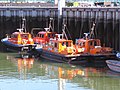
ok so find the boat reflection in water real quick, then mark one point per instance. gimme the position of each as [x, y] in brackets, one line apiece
[24, 64]
[60, 76]
[112, 74]
[87, 78]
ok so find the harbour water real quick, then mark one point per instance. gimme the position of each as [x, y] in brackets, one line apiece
[29, 73]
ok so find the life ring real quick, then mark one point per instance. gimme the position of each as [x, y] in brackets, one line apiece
[24, 41]
[74, 51]
[83, 49]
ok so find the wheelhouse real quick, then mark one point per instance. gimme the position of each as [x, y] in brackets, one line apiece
[90, 42]
[91, 46]
[21, 38]
[60, 46]
[44, 37]
[85, 45]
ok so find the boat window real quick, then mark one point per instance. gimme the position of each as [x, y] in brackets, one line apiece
[52, 43]
[38, 35]
[82, 44]
[55, 44]
[77, 43]
[41, 35]
[53, 35]
[95, 43]
[67, 44]
[90, 43]
[24, 35]
[49, 35]
[14, 36]
[63, 43]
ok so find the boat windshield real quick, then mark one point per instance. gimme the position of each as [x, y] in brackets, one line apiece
[41, 35]
[14, 35]
[51, 35]
[93, 43]
[68, 44]
[82, 44]
[24, 35]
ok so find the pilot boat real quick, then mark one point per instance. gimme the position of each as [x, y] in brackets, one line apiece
[91, 47]
[19, 40]
[41, 37]
[44, 35]
[59, 48]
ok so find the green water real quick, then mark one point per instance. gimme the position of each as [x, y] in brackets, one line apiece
[36, 74]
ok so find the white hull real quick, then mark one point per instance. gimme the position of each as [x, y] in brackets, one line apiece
[114, 65]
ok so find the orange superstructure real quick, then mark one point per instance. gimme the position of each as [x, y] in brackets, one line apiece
[19, 40]
[91, 46]
[43, 37]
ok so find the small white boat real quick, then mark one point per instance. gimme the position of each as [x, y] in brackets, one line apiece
[114, 65]
[118, 55]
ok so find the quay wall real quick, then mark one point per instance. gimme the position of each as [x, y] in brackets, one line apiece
[78, 20]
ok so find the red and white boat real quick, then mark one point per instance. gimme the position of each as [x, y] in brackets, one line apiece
[19, 40]
[42, 37]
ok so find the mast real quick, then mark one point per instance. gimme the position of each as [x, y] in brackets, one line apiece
[63, 31]
[92, 31]
[50, 24]
[24, 24]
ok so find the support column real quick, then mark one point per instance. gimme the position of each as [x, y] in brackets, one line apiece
[61, 4]
[56, 2]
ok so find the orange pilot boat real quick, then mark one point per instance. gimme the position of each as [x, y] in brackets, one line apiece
[19, 40]
[91, 47]
[59, 48]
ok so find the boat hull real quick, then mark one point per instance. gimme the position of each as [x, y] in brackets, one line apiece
[78, 59]
[98, 56]
[114, 65]
[57, 57]
[36, 52]
[16, 47]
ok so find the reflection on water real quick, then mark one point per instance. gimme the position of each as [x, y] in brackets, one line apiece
[28, 73]
[24, 64]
